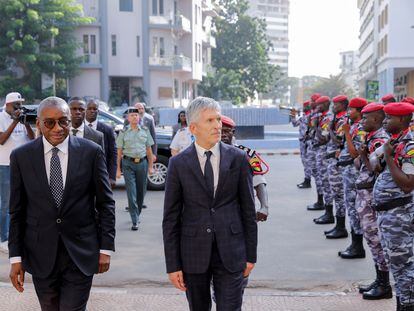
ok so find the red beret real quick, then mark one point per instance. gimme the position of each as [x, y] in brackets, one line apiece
[322, 99]
[408, 100]
[387, 97]
[306, 103]
[315, 96]
[399, 109]
[339, 98]
[227, 121]
[357, 102]
[372, 107]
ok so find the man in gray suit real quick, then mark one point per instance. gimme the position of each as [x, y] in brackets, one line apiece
[147, 120]
[78, 110]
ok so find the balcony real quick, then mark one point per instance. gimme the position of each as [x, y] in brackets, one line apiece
[209, 9]
[181, 25]
[179, 62]
[91, 61]
[209, 40]
[206, 69]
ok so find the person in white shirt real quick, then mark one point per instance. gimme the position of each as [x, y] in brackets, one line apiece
[181, 141]
[13, 134]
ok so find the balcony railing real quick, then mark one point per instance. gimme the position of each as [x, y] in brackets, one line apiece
[180, 62]
[209, 40]
[180, 23]
[91, 59]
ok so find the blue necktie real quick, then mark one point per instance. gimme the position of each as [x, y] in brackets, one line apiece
[56, 180]
[208, 174]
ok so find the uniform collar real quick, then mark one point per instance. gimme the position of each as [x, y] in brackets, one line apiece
[341, 114]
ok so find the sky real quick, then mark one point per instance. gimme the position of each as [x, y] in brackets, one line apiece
[318, 31]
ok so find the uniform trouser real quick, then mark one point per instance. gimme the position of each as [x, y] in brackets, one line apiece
[337, 186]
[349, 175]
[368, 219]
[4, 202]
[322, 168]
[311, 163]
[397, 237]
[135, 175]
[306, 168]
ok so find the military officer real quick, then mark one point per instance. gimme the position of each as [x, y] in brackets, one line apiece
[182, 139]
[354, 137]
[389, 98]
[134, 148]
[393, 201]
[372, 117]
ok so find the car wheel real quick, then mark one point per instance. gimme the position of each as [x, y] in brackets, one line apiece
[157, 180]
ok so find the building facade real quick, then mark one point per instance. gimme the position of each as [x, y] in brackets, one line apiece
[161, 47]
[349, 69]
[386, 50]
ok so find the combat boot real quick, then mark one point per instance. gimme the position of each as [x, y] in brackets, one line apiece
[318, 206]
[339, 231]
[406, 307]
[366, 288]
[355, 250]
[305, 184]
[326, 218]
[382, 288]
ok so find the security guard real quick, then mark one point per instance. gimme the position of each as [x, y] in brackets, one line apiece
[134, 148]
[393, 201]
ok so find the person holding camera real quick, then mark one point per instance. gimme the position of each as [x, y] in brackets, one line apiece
[13, 133]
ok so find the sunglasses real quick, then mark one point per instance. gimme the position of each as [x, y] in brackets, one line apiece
[50, 123]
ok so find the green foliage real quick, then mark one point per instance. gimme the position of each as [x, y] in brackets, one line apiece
[332, 86]
[241, 57]
[36, 36]
[138, 93]
[115, 98]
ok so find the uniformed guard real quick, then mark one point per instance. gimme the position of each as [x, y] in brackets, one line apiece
[311, 153]
[389, 98]
[134, 148]
[372, 118]
[393, 201]
[336, 133]
[354, 137]
[182, 139]
[302, 122]
[321, 140]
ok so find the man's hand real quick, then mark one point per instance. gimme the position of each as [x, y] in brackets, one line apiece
[388, 149]
[154, 158]
[261, 216]
[16, 114]
[249, 268]
[104, 262]
[293, 112]
[363, 150]
[17, 276]
[346, 127]
[177, 279]
[112, 182]
[150, 171]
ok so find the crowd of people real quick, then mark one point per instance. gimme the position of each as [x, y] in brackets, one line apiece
[361, 157]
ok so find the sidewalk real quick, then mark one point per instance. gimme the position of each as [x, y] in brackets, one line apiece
[160, 299]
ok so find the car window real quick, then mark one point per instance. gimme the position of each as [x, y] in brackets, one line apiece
[107, 120]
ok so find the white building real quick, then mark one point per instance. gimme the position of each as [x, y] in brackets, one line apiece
[386, 50]
[161, 46]
[349, 69]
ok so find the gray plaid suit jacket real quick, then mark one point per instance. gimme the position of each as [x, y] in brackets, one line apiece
[192, 218]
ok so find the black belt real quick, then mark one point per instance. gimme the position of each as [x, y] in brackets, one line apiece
[345, 163]
[330, 155]
[135, 160]
[392, 204]
[365, 185]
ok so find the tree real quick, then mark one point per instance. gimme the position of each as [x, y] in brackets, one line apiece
[332, 86]
[138, 93]
[36, 37]
[241, 54]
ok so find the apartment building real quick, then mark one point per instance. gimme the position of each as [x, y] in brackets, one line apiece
[349, 69]
[161, 46]
[386, 50]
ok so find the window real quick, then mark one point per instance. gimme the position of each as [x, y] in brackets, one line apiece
[138, 47]
[196, 52]
[157, 7]
[176, 91]
[161, 7]
[85, 44]
[93, 44]
[113, 45]
[162, 47]
[125, 5]
[199, 52]
[155, 46]
[195, 14]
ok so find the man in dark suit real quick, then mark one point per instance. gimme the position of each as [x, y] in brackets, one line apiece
[147, 120]
[78, 110]
[209, 224]
[92, 110]
[62, 214]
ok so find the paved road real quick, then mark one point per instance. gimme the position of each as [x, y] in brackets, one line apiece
[293, 254]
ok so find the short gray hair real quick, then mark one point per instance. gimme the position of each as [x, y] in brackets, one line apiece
[53, 101]
[198, 105]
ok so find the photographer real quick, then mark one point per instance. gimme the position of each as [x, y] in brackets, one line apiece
[13, 133]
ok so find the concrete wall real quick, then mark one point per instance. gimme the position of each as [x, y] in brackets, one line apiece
[87, 83]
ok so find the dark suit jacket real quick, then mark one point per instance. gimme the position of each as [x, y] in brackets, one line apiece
[149, 123]
[110, 148]
[96, 136]
[192, 216]
[36, 224]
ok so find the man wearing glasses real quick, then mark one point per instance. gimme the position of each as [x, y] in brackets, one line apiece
[62, 214]
[13, 133]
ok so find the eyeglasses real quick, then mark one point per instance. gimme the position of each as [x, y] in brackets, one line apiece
[50, 123]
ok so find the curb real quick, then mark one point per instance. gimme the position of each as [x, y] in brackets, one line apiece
[279, 152]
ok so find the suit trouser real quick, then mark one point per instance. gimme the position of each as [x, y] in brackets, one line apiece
[4, 203]
[228, 286]
[66, 288]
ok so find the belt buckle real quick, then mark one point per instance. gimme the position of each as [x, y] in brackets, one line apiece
[137, 160]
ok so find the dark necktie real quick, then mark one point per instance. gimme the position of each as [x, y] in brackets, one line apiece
[90, 125]
[56, 180]
[208, 174]
[75, 131]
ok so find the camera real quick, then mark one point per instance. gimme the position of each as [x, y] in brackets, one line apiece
[27, 115]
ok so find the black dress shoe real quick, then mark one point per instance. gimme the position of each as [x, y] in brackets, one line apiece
[305, 184]
[134, 227]
[144, 206]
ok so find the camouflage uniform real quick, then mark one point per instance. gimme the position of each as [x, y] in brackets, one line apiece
[397, 224]
[334, 173]
[302, 122]
[321, 163]
[311, 149]
[350, 174]
[367, 215]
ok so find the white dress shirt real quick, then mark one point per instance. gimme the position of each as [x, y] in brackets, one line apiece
[63, 155]
[80, 132]
[94, 124]
[215, 160]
